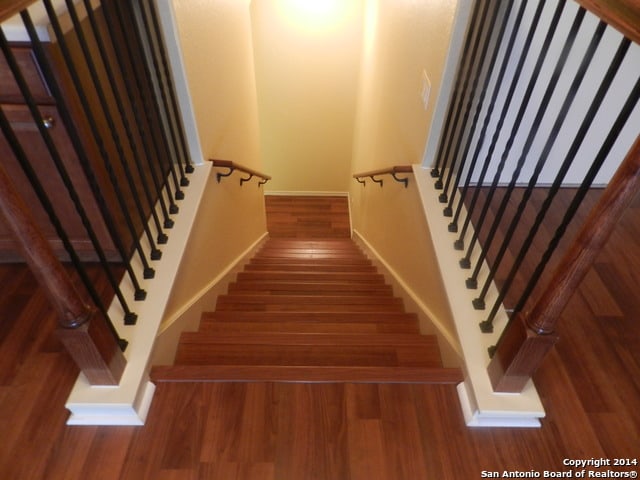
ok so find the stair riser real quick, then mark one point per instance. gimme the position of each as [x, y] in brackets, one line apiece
[308, 289]
[309, 327]
[307, 356]
[311, 277]
[306, 267]
[351, 317]
[258, 373]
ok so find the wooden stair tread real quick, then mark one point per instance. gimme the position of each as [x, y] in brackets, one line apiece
[309, 299]
[329, 339]
[309, 267]
[279, 373]
[309, 276]
[308, 288]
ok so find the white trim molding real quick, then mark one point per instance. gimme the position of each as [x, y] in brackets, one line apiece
[482, 407]
[128, 402]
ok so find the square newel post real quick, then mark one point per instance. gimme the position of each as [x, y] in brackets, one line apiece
[528, 337]
[88, 340]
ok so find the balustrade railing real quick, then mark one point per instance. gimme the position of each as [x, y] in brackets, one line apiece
[546, 96]
[93, 142]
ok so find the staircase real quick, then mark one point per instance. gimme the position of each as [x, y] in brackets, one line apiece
[308, 307]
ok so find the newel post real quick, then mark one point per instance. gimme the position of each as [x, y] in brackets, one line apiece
[528, 337]
[88, 340]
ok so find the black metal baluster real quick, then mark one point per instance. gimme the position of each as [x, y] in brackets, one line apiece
[171, 107]
[457, 163]
[23, 160]
[533, 130]
[29, 100]
[448, 211]
[453, 226]
[606, 147]
[475, 69]
[156, 119]
[146, 37]
[152, 152]
[466, 261]
[450, 127]
[68, 58]
[155, 254]
[487, 325]
[162, 238]
[38, 50]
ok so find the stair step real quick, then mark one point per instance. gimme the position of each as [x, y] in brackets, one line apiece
[313, 276]
[313, 339]
[308, 288]
[207, 348]
[287, 373]
[309, 303]
[311, 327]
[319, 317]
[322, 257]
[308, 267]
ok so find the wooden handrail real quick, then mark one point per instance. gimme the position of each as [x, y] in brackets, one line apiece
[89, 341]
[624, 15]
[393, 171]
[232, 166]
[529, 337]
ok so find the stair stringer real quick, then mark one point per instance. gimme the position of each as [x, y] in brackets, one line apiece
[188, 317]
[482, 407]
[450, 348]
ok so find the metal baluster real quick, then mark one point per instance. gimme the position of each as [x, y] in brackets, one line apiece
[162, 237]
[487, 325]
[152, 151]
[466, 261]
[448, 211]
[459, 243]
[533, 130]
[130, 317]
[450, 127]
[38, 50]
[156, 118]
[55, 24]
[155, 254]
[172, 106]
[475, 69]
[606, 147]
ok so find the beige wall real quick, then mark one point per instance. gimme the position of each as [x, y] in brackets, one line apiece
[402, 38]
[215, 37]
[307, 77]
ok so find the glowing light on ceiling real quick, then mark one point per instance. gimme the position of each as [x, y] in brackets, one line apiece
[313, 13]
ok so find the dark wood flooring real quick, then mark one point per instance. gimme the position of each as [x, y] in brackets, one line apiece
[590, 386]
[293, 216]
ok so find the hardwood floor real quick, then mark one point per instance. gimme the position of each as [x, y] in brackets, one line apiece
[590, 386]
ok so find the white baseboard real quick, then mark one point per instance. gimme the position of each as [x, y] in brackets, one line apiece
[128, 402]
[481, 405]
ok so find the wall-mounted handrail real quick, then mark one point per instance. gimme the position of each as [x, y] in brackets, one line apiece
[232, 166]
[393, 171]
